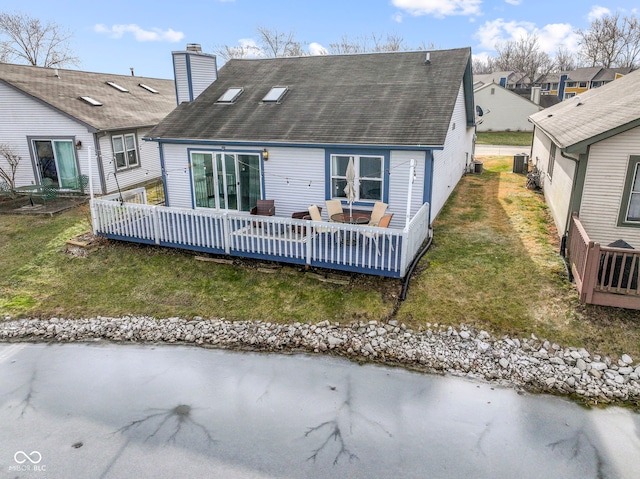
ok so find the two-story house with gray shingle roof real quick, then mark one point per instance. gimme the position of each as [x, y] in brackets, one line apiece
[58, 120]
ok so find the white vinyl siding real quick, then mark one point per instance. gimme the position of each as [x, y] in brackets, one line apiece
[295, 179]
[149, 164]
[506, 110]
[603, 189]
[203, 72]
[22, 117]
[180, 70]
[399, 181]
[557, 193]
[450, 163]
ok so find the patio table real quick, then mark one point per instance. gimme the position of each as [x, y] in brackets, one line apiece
[351, 218]
[38, 191]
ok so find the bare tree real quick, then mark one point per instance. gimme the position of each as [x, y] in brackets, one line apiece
[523, 56]
[27, 40]
[564, 60]
[611, 41]
[275, 43]
[8, 172]
[369, 43]
[482, 66]
[227, 52]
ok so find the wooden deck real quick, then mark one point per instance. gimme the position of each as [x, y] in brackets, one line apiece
[604, 275]
[364, 249]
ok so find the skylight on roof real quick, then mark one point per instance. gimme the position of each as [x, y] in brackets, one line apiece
[230, 95]
[91, 101]
[148, 88]
[275, 94]
[117, 87]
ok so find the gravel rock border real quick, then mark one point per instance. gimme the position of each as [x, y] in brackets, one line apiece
[532, 364]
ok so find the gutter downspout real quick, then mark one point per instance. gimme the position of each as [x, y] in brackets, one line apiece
[565, 235]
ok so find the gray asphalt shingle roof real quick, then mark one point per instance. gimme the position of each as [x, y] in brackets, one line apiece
[119, 110]
[376, 99]
[592, 113]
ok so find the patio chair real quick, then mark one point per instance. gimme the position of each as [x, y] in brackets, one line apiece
[379, 208]
[314, 215]
[383, 223]
[263, 208]
[334, 207]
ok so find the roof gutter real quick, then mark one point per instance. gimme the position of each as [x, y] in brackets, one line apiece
[272, 143]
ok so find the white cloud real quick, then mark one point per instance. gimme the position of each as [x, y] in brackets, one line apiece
[598, 12]
[513, 2]
[439, 8]
[550, 36]
[141, 35]
[397, 17]
[317, 49]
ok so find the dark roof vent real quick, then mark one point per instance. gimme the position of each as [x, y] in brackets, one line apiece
[194, 47]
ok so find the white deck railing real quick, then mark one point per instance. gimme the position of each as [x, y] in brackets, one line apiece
[373, 250]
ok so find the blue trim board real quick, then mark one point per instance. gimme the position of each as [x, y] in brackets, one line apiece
[189, 79]
[267, 144]
[175, 83]
[386, 162]
[428, 178]
[164, 177]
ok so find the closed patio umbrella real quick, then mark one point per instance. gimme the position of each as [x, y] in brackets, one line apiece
[350, 189]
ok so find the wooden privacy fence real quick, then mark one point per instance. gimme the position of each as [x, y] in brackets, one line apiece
[366, 249]
[604, 275]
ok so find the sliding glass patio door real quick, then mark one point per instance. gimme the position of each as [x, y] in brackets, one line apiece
[56, 162]
[229, 181]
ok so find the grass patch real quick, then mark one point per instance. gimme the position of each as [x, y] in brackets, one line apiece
[494, 264]
[508, 138]
[40, 280]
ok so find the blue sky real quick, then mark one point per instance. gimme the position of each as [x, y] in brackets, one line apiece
[113, 36]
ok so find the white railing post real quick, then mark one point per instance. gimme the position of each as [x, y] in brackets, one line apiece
[156, 224]
[226, 228]
[309, 242]
[405, 251]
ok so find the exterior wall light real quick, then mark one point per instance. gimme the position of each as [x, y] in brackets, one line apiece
[265, 154]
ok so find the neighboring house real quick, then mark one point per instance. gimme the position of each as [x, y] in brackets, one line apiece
[588, 151]
[504, 110]
[508, 79]
[568, 84]
[56, 119]
[285, 129]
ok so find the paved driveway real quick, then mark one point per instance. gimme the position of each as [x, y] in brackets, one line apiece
[501, 150]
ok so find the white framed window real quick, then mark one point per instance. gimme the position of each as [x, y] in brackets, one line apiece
[368, 180]
[552, 161]
[630, 206]
[569, 95]
[583, 84]
[125, 151]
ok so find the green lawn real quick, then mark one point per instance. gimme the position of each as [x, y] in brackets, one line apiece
[508, 138]
[493, 265]
[39, 279]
